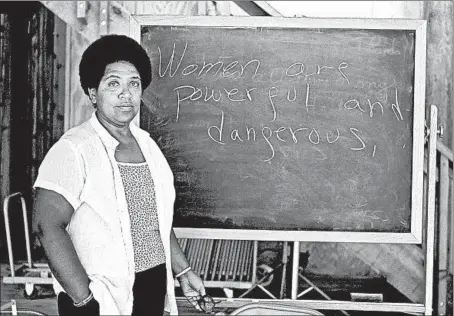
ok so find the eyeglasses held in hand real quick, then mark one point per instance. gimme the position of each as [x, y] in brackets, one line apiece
[206, 304]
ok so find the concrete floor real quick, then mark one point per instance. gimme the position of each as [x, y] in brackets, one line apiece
[48, 305]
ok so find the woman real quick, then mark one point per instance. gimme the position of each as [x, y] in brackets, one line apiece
[104, 199]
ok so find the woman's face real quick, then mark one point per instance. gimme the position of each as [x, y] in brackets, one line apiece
[117, 98]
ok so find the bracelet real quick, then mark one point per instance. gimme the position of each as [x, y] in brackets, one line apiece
[183, 272]
[85, 301]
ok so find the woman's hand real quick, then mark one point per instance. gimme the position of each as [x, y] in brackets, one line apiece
[192, 287]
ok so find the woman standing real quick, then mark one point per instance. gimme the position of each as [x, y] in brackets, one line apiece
[104, 199]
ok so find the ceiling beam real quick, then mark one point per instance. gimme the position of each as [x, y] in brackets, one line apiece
[92, 19]
[257, 8]
[82, 16]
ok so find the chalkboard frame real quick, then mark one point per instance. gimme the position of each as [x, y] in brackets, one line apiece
[419, 26]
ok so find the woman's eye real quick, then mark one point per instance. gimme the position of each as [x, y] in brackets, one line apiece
[135, 84]
[112, 84]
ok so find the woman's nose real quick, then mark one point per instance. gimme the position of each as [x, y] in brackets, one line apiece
[125, 92]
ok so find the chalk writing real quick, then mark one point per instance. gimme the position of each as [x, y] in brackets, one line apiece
[223, 67]
[283, 134]
[192, 93]
[295, 83]
[228, 67]
[353, 104]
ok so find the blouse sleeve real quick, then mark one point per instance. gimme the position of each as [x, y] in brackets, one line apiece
[62, 172]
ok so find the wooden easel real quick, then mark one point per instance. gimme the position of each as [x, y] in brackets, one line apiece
[179, 27]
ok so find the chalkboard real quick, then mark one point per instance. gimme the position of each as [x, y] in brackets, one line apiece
[274, 125]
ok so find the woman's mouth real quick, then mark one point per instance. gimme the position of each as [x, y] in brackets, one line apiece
[126, 107]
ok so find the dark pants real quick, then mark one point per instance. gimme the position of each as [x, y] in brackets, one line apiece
[149, 292]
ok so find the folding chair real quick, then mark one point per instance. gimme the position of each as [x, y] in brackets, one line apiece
[274, 309]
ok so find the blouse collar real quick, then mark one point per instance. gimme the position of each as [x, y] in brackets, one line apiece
[108, 139]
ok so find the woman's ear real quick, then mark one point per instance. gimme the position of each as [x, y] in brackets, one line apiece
[92, 95]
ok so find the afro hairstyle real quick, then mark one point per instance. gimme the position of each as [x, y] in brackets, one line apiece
[110, 49]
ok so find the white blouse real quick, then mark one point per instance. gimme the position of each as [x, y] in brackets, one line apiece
[81, 167]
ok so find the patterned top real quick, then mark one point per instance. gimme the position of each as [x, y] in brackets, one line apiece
[141, 200]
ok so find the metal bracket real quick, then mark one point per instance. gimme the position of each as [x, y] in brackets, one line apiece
[81, 9]
[440, 131]
[104, 17]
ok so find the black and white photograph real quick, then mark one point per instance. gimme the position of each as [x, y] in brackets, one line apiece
[226, 158]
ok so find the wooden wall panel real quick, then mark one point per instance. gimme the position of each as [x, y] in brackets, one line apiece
[5, 112]
[43, 75]
[440, 80]
[59, 87]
